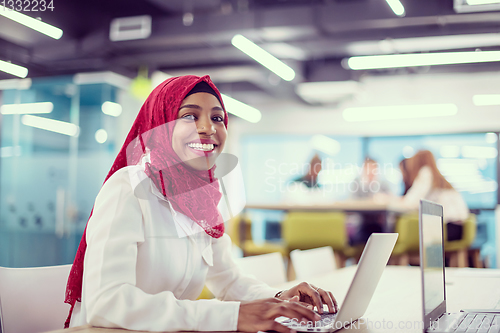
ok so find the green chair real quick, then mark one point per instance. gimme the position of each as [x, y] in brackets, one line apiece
[458, 250]
[309, 230]
[408, 243]
[240, 232]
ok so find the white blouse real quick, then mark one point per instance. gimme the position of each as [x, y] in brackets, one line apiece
[454, 207]
[145, 265]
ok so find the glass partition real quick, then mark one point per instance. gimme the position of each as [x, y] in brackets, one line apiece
[52, 167]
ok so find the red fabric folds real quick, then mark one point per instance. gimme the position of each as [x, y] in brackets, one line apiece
[173, 178]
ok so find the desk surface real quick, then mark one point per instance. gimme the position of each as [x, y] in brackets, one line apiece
[397, 299]
[347, 205]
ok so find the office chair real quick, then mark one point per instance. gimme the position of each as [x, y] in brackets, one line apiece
[308, 230]
[313, 262]
[32, 299]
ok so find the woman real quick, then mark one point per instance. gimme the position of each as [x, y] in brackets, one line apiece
[424, 181]
[155, 236]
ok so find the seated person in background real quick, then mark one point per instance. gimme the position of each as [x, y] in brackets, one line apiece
[306, 189]
[368, 186]
[426, 182]
[404, 173]
[310, 179]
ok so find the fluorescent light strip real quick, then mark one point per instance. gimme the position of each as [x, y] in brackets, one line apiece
[483, 100]
[32, 23]
[263, 57]
[111, 109]
[42, 107]
[397, 7]
[481, 2]
[241, 109]
[479, 152]
[421, 59]
[15, 84]
[10, 151]
[12, 69]
[398, 112]
[52, 125]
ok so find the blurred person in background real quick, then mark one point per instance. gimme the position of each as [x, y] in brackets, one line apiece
[310, 179]
[404, 174]
[369, 185]
[424, 181]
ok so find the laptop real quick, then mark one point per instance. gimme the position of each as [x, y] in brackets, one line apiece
[371, 265]
[436, 319]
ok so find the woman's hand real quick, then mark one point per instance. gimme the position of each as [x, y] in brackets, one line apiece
[309, 294]
[259, 315]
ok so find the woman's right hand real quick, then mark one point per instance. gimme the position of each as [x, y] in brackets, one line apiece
[259, 315]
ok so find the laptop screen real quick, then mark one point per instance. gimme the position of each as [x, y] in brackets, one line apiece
[432, 260]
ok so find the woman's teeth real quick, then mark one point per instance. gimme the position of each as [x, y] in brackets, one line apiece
[202, 146]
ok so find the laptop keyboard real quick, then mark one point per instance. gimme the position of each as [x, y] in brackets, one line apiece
[327, 319]
[479, 323]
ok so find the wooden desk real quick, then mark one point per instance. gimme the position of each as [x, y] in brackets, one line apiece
[397, 299]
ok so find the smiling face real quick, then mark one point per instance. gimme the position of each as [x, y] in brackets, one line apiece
[199, 134]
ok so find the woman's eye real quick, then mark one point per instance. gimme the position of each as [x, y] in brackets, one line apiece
[188, 117]
[218, 119]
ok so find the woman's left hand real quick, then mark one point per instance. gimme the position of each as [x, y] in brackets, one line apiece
[311, 295]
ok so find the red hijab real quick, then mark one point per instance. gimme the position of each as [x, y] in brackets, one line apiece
[152, 133]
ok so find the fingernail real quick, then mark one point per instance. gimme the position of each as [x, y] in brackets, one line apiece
[317, 316]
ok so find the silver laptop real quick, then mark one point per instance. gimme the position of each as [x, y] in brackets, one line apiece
[436, 319]
[371, 265]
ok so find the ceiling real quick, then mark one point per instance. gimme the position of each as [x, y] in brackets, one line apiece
[310, 36]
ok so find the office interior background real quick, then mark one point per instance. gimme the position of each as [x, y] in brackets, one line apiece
[332, 98]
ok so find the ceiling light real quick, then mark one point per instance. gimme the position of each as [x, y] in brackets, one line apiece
[263, 57]
[42, 107]
[12, 69]
[241, 109]
[130, 28]
[469, 6]
[479, 152]
[325, 144]
[52, 125]
[101, 136]
[397, 7]
[481, 2]
[10, 151]
[15, 84]
[111, 109]
[399, 112]
[421, 59]
[32, 23]
[483, 100]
